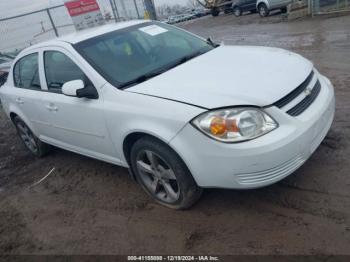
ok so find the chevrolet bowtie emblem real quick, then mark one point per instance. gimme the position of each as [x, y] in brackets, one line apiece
[308, 91]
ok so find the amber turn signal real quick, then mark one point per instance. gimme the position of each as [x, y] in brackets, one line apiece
[218, 126]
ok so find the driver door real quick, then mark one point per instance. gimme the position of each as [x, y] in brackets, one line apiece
[76, 124]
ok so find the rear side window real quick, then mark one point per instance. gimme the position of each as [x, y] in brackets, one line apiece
[26, 72]
[60, 69]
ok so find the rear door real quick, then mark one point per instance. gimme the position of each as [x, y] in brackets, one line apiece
[77, 124]
[24, 89]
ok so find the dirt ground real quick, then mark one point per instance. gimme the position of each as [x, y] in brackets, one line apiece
[89, 207]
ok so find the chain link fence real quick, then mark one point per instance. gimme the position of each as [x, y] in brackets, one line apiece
[23, 30]
[329, 6]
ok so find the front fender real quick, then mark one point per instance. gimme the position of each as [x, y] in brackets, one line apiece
[163, 136]
[127, 113]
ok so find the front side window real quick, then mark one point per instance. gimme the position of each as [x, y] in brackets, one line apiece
[26, 72]
[60, 69]
[128, 56]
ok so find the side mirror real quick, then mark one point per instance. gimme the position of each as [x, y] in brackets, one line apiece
[70, 88]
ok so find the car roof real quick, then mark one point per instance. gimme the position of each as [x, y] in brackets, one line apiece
[87, 34]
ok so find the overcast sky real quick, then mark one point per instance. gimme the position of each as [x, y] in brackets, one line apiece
[20, 32]
[14, 7]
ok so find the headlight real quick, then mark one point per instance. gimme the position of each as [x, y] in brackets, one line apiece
[235, 124]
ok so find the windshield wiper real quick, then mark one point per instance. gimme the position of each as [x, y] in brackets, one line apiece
[185, 59]
[212, 43]
[140, 79]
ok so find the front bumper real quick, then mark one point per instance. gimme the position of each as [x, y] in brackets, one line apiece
[262, 161]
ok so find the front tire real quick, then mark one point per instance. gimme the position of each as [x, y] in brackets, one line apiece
[263, 10]
[32, 143]
[163, 174]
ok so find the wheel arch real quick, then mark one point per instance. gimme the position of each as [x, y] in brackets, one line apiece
[13, 113]
[262, 2]
[130, 139]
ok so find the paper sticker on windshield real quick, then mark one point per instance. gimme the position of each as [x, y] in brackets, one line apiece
[153, 30]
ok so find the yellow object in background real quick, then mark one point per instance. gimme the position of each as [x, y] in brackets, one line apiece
[146, 15]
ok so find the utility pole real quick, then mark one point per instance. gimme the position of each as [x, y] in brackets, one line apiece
[52, 23]
[116, 10]
[137, 10]
[113, 10]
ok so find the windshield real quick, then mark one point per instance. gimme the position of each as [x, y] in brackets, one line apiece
[135, 54]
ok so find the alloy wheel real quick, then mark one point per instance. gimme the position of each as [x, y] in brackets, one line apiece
[262, 10]
[27, 137]
[237, 12]
[157, 176]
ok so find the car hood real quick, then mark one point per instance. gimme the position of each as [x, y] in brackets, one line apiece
[231, 76]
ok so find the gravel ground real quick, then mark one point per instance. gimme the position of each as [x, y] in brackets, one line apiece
[89, 207]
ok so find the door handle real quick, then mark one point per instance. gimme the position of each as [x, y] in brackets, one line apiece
[52, 108]
[19, 101]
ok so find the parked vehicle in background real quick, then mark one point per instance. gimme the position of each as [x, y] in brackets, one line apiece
[180, 18]
[170, 20]
[175, 19]
[5, 66]
[264, 7]
[4, 60]
[199, 12]
[189, 16]
[4, 70]
[216, 6]
[3, 77]
[207, 11]
[130, 94]
[242, 6]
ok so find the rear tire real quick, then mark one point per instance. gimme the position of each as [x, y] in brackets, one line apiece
[237, 11]
[215, 12]
[162, 174]
[31, 142]
[263, 10]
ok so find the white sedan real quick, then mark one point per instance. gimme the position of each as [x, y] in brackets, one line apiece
[180, 112]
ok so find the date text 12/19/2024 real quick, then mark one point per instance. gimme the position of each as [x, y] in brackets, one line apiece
[173, 258]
